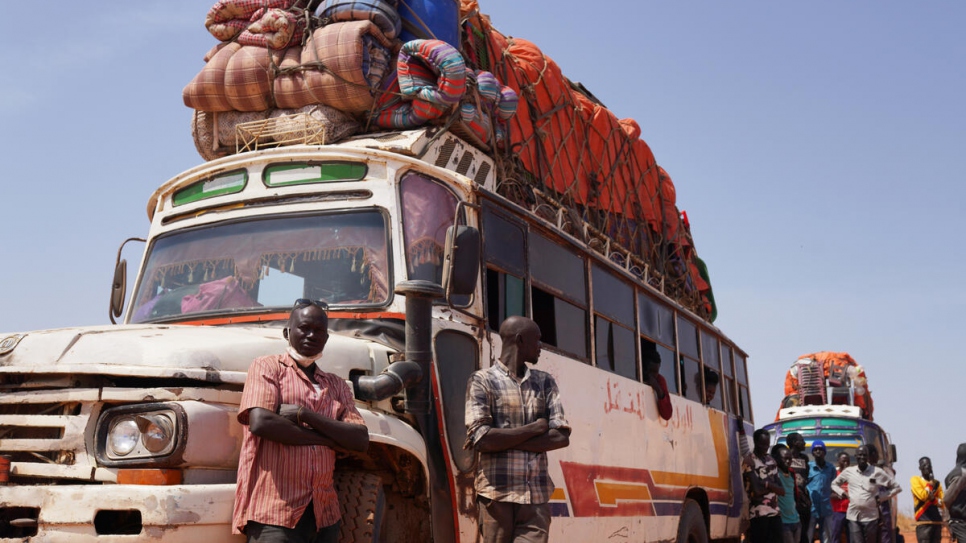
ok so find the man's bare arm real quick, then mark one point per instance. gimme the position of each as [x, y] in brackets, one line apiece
[275, 427]
[549, 441]
[502, 439]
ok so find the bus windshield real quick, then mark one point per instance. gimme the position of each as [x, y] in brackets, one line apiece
[258, 264]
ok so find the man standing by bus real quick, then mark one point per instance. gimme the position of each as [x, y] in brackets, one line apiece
[293, 415]
[956, 495]
[868, 485]
[840, 506]
[820, 476]
[760, 472]
[927, 495]
[513, 417]
[799, 464]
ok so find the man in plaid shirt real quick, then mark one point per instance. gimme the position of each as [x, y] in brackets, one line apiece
[513, 417]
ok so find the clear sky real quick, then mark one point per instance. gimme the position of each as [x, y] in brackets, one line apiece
[819, 149]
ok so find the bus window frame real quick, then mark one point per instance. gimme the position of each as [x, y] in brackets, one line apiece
[497, 212]
[533, 230]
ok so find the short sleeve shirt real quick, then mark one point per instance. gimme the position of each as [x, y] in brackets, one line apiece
[761, 505]
[276, 482]
[496, 399]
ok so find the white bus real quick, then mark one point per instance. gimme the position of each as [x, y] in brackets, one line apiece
[363, 225]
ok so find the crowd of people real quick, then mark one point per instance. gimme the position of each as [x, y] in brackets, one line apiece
[795, 500]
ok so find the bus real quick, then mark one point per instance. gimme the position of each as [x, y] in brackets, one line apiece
[827, 399]
[128, 431]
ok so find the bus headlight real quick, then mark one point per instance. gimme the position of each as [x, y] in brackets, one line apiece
[123, 437]
[144, 434]
[156, 431]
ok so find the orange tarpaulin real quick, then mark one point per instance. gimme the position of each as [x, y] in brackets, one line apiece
[833, 363]
[580, 154]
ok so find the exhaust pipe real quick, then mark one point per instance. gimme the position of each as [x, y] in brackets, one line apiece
[411, 372]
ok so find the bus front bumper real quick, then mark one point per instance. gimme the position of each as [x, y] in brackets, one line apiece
[113, 513]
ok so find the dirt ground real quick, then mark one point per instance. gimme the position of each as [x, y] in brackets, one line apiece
[907, 527]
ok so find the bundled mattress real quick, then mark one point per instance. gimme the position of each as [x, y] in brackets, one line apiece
[340, 66]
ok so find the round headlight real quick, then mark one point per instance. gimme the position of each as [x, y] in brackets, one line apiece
[156, 432]
[123, 437]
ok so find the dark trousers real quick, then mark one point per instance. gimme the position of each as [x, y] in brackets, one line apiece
[304, 531]
[864, 532]
[886, 532]
[839, 527]
[804, 516]
[958, 529]
[929, 533]
[765, 529]
[505, 522]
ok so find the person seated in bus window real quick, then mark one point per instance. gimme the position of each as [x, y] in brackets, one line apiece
[711, 381]
[653, 377]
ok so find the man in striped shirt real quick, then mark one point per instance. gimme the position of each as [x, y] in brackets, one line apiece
[293, 416]
[513, 417]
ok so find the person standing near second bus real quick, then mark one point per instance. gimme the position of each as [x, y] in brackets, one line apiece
[799, 465]
[840, 506]
[820, 476]
[886, 530]
[956, 495]
[867, 486]
[791, 523]
[927, 495]
[760, 472]
[513, 417]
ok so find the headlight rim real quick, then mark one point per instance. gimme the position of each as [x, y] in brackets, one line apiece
[170, 457]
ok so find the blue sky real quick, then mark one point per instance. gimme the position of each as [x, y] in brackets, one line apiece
[818, 149]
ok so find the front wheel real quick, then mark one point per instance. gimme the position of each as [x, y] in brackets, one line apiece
[692, 528]
[362, 502]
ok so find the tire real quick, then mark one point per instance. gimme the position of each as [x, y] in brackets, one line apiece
[692, 528]
[362, 502]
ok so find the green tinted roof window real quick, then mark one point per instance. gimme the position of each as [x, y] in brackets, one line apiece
[840, 423]
[303, 173]
[798, 424]
[219, 185]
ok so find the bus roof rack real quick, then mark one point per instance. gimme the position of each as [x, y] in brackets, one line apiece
[802, 411]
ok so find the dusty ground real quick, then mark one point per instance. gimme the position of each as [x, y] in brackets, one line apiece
[907, 527]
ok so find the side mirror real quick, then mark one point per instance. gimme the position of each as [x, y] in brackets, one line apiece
[118, 289]
[119, 284]
[462, 258]
[893, 453]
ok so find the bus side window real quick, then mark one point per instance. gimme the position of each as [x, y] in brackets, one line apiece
[505, 253]
[657, 334]
[558, 294]
[744, 400]
[614, 323]
[727, 386]
[691, 383]
[710, 355]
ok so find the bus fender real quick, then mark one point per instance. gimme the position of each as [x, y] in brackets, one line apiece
[393, 432]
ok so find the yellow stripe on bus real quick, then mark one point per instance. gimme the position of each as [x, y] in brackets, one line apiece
[721, 481]
[609, 492]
